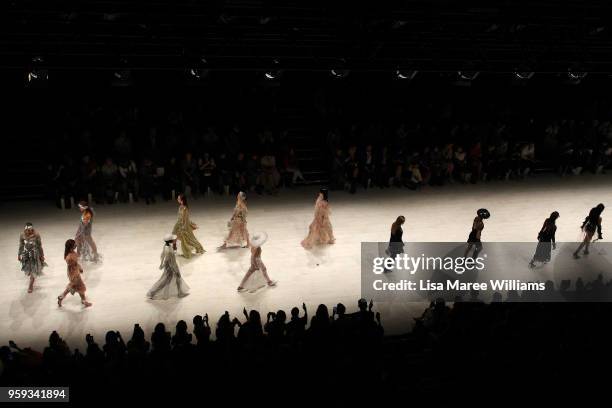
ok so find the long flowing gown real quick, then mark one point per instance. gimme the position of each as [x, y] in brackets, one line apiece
[170, 284]
[183, 229]
[75, 281]
[31, 254]
[238, 234]
[320, 231]
[546, 239]
[86, 246]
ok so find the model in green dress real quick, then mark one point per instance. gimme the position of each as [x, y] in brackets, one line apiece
[183, 229]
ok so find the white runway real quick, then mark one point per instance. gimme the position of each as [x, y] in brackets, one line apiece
[129, 238]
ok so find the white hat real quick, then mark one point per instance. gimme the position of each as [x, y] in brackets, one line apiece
[169, 237]
[258, 239]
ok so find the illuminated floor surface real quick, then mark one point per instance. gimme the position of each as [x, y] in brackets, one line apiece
[129, 237]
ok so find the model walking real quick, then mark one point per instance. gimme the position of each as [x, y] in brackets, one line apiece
[238, 234]
[31, 254]
[86, 247]
[320, 231]
[546, 240]
[474, 237]
[396, 241]
[75, 282]
[170, 284]
[255, 281]
[183, 229]
[591, 224]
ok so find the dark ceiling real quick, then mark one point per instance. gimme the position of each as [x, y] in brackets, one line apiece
[243, 35]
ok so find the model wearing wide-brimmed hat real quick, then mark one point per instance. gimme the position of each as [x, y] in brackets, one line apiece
[475, 234]
[257, 241]
[171, 283]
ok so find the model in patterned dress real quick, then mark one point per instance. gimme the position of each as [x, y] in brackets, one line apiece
[320, 231]
[75, 281]
[31, 254]
[183, 229]
[86, 246]
[238, 234]
[170, 284]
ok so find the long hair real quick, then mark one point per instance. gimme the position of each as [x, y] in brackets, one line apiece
[594, 214]
[183, 199]
[397, 224]
[69, 247]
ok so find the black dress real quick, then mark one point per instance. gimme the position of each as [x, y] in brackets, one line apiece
[546, 239]
[396, 243]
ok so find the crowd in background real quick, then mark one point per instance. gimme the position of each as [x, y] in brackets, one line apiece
[141, 158]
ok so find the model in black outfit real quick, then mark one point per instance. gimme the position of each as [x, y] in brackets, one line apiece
[474, 237]
[546, 240]
[396, 242]
[591, 224]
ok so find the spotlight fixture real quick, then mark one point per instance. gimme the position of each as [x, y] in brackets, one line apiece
[405, 74]
[524, 75]
[468, 75]
[576, 75]
[340, 70]
[275, 72]
[37, 74]
[199, 70]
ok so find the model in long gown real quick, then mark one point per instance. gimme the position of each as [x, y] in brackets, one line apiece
[396, 240]
[31, 254]
[171, 283]
[320, 231]
[183, 229]
[75, 281]
[238, 234]
[86, 246]
[546, 240]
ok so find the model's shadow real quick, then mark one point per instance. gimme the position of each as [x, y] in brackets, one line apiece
[317, 255]
[30, 305]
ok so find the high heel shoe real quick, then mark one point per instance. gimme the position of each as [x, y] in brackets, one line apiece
[86, 303]
[59, 301]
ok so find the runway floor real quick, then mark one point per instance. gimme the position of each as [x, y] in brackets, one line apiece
[130, 239]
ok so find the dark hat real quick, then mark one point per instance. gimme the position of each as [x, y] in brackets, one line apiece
[483, 213]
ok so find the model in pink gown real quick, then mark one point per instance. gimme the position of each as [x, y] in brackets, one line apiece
[320, 231]
[238, 235]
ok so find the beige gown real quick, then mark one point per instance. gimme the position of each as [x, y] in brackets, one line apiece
[320, 231]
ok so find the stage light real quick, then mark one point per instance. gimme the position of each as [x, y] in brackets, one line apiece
[37, 74]
[576, 75]
[275, 72]
[405, 74]
[339, 70]
[523, 75]
[199, 71]
[468, 75]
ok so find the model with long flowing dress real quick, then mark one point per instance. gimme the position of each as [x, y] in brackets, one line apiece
[183, 229]
[171, 283]
[546, 240]
[320, 231]
[238, 234]
[86, 246]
